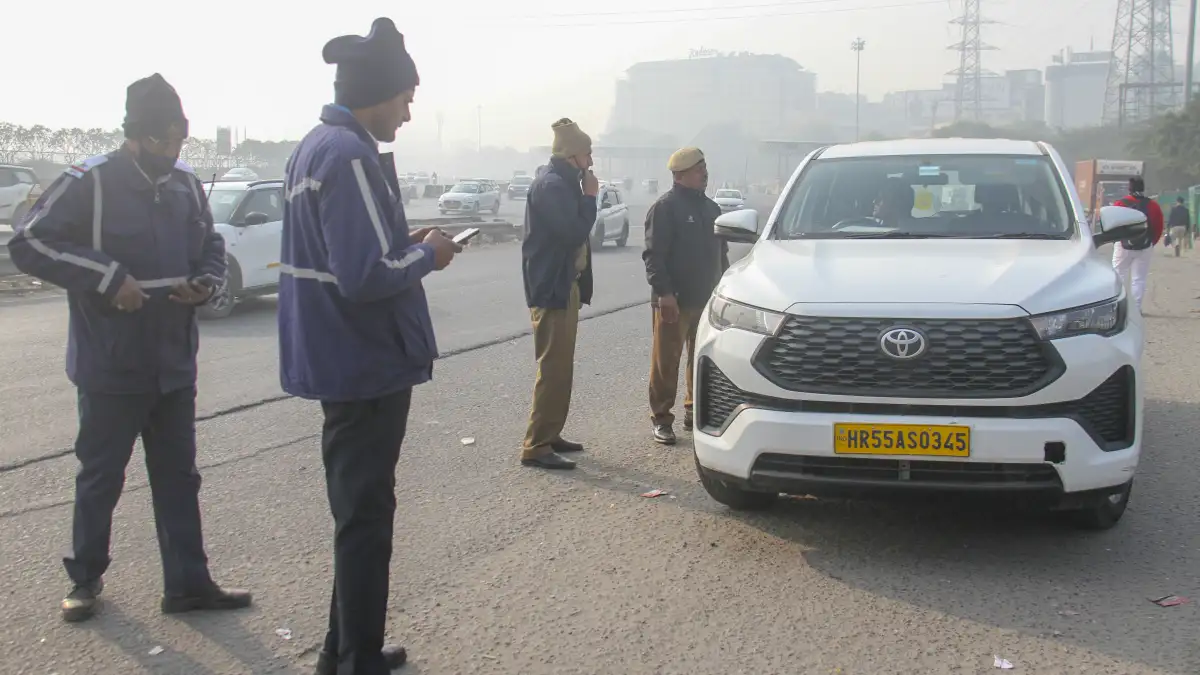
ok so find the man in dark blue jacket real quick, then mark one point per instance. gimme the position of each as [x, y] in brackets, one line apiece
[354, 326]
[130, 237]
[557, 267]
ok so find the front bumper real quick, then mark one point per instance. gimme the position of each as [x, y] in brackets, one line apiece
[459, 207]
[1060, 440]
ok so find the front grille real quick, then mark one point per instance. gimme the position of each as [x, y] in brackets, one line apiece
[985, 358]
[450, 204]
[1107, 413]
[948, 474]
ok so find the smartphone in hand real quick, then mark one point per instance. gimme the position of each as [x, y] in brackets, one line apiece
[465, 236]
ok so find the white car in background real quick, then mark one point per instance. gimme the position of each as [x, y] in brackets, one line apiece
[17, 185]
[249, 215]
[885, 334]
[240, 173]
[729, 200]
[470, 197]
[612, 217]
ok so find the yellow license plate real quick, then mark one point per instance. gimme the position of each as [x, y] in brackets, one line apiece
[902, 439]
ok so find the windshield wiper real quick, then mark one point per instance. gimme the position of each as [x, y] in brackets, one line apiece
[894, 235]
[1022, 235]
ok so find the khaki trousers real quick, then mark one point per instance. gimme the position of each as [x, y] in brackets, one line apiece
[554, 332]
[669, 341]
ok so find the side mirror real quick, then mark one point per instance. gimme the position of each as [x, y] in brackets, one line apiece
[1119, 223]
[738, 226]
[256, 218]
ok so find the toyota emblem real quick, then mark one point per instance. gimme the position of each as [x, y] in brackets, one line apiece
[902, 343]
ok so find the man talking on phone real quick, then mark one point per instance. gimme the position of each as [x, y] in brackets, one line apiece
[556, 263]
[130, 236]
[354, 325]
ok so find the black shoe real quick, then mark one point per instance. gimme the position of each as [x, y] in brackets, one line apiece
[553, 461]
[566, 446]
[663, 433]
[688, 422]
[393, 655]
[80, 603]
[213, 599]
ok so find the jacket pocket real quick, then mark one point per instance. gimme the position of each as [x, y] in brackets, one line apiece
[414, 328]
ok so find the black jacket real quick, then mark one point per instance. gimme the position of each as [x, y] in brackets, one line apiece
[558, 220]
[1180, 217]
[683, 255]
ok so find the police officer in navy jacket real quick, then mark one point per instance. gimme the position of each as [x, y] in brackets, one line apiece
[130, 237]
[354, 326]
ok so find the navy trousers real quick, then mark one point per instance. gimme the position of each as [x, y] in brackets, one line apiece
[109, 425]
[361, 446]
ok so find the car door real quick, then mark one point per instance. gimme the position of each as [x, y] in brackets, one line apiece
[612, 217]
[258, 243]
[10, 189]
[620, 210]
[602, 212]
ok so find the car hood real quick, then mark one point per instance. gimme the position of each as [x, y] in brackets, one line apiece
[729, 200]
[1038, 276]
[460, 195]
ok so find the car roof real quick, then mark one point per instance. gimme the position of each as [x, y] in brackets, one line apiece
[15, 166]
[242, 184]
[933, 146]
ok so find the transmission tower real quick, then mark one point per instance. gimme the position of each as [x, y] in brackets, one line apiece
[968, 89]
[1141, 74]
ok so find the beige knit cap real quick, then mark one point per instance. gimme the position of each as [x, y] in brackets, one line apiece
[569, 140]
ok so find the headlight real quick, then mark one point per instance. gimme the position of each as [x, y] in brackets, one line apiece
[724, 314]
[1105, 318]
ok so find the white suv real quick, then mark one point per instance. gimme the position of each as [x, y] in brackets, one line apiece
[923, 315]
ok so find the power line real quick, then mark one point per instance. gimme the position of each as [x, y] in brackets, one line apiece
[696, 19]
[671, 10]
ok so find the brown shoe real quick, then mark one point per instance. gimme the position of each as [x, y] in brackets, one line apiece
[80, 603]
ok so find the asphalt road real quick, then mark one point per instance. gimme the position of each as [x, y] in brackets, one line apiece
[505, 570]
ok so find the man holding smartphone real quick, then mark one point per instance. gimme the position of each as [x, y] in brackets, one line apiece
[556, 264]
[130, 236]
[354, 325]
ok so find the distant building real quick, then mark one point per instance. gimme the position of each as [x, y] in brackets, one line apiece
[1075, 83]
[767, 95]
[1017, 96]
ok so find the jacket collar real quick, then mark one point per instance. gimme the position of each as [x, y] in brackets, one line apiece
[685, 191]
[340, 116]
[563, 168]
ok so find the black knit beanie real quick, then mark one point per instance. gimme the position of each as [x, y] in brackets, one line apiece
[151, 107]
[371, 69]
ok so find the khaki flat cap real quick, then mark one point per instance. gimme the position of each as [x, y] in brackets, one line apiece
[684, 159]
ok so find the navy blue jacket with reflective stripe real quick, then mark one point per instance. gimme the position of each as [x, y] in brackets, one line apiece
[104, 220]
[353, 320]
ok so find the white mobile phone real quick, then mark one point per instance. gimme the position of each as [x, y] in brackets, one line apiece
[466, 235]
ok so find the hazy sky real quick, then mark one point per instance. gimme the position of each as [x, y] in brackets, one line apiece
[257, 63]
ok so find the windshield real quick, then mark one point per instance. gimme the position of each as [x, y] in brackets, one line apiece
[224, 201]
[520, 181]
[728, 194]
[468, 188]
[940, 196]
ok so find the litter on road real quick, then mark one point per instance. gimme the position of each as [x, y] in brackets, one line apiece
[469, 440]
[285, 633]
[655, 493]
[1002, 664]
[1170, 601]
[156, 651]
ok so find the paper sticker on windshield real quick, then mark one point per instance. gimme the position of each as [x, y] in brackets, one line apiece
[924, 201]
[929, 171]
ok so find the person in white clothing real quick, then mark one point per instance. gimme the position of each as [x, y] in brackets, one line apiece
[1131, 259]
